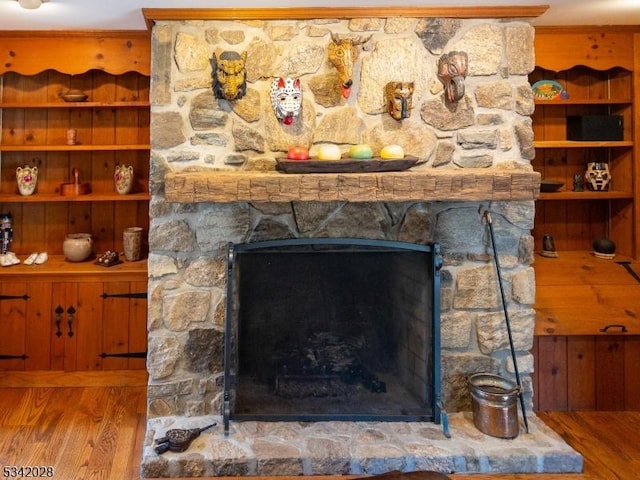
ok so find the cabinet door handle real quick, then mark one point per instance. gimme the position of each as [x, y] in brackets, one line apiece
[70, 314]
[58, 311]
[622, 328]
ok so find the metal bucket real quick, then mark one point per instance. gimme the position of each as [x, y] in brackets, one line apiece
[495, 405]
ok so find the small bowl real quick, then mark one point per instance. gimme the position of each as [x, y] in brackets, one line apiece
[74, 96]
[550, 185]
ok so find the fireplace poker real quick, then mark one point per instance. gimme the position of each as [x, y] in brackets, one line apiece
[487, 216]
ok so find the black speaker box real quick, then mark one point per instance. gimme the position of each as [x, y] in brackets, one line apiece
[595, 127]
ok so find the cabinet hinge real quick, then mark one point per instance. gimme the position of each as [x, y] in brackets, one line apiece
[124, 355]
[24, 356]
[125, 295]
[15, 297]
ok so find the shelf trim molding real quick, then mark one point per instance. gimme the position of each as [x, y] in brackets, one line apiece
[153, 15]
[75, 52]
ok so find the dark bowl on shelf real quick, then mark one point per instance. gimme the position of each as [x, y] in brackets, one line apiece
[550, 185]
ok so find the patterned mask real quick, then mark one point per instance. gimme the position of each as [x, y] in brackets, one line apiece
[399, 99]
[343, 54]
[598, 176]
[286, 98]
[452, 70]
[229, 75]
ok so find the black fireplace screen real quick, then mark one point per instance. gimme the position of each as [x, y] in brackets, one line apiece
[332, 329]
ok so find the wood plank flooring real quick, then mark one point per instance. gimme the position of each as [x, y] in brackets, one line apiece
[96, 432]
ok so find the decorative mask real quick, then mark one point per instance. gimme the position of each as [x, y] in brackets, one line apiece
[229, 75]
[399, 99]
[452, 70]
[597, 176]
[343, 55]
[286, 98]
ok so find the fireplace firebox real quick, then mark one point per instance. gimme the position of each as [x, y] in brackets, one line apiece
[332, 329]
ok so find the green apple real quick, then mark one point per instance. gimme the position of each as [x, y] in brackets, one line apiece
[361, 151]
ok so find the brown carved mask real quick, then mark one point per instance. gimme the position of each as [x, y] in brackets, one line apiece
[343, 55]
[229, 75]
[399, 97]
[452, 70]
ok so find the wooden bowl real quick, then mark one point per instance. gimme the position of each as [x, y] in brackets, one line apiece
[550, 185]
[73, 189]
[75, 96]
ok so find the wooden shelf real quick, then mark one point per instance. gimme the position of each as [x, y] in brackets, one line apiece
[91, 197]
[585, 195]
[579, 294]
[133, 104]
[72, 148]
[58, 267]
[581, 144]
[585, 101]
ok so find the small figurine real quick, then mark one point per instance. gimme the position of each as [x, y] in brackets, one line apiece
[578, 183]
[548, 247]
[6, 233]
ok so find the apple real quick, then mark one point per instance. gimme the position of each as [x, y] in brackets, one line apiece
[392, 152]
[298, 153]
[361, 151]
[329, 152]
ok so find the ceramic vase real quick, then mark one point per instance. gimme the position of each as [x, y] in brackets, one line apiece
[27, 178]
[77, 247]
[123, 178]
[132, 241]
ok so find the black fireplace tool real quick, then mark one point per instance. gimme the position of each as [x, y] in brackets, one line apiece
[178, 439]
[487, 216]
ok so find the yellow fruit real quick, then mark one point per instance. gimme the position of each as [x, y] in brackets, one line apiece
[392, 152]
[329, 152]
[361, 151]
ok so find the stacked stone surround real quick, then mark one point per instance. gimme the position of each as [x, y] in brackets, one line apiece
[192, 131]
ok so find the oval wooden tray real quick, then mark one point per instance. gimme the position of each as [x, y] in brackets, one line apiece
[346, 165]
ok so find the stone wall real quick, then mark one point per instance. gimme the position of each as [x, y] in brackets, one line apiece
[191, 130]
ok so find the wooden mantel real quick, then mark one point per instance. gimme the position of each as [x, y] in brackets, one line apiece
[422, 185]
[153, 15]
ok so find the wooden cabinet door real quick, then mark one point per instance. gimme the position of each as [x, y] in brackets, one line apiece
[124, 325]
[24, 326]
[103, 326]
[76, 332]
[13, 325]
[73, 326]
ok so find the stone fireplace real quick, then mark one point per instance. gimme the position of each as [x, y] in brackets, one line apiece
[213, 181]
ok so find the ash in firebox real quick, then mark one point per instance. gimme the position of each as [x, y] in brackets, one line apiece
[327, 366]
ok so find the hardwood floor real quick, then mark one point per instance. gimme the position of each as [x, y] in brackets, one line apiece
[96, 432]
